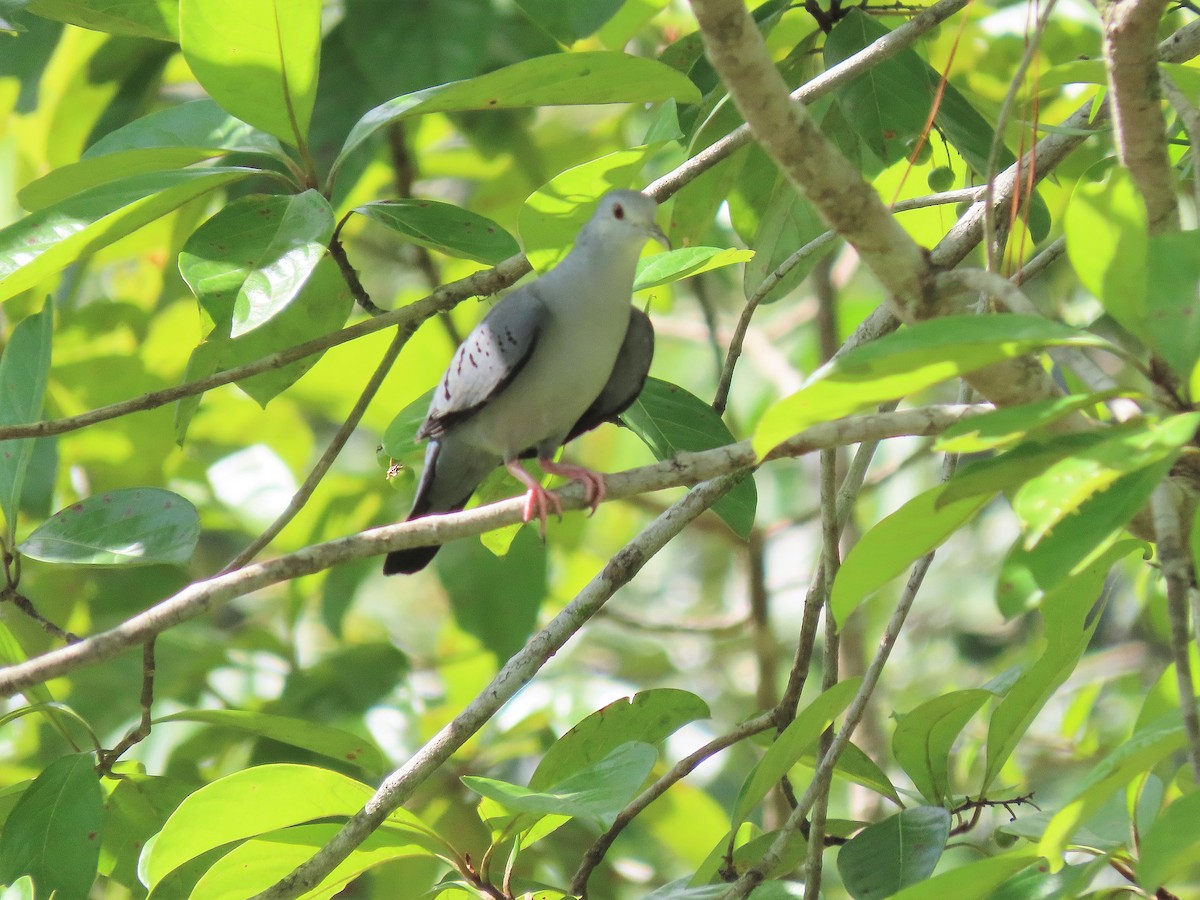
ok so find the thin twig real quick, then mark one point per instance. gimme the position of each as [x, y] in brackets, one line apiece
[1177, 573]
[679, 771]
[108, 758]
[345, 430]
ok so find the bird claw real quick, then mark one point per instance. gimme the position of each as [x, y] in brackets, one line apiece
[544, 500]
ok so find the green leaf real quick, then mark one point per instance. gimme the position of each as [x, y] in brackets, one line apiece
[900, 851]
[1004, 427]
[1172, 276]
[1043, 502]
[323, 739]
[259, 800]
[647, 717]
[595, 794]
[854, 765]
[400, 437]
[24, 373]
[791, 745]
[919, 526]
[789, 223]
[127, 527]
[1170, 846]
[53, 833]
[669, 421]
[1137, 755]
[1106, 229]
[258, 60]
[52, 238]
[570, 22]
[924, 737]
[563, 79]
[134, 811]
[973, 881]
[321, 307]
[907, 361]
[1027, 574]
[889, 103]
[1070, 613]
[166, 139]
[675, 265]
[250, 261]
[445, 228]
[132, 18]
[21, 889]
[261, 861]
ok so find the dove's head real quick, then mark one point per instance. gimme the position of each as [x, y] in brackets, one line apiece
[627, 216]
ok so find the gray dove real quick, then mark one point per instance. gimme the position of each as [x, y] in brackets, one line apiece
[553, 359]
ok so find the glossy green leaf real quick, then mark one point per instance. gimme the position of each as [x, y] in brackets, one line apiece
[1170, 846]
[445, 228]
[323, 739]
[907, 361]
[126, 527]
[647, 717]
[134, 811]
[1107, 243]
[1070, 614]
[900, 851]
[250, 261]
[675, 265]
[1004, 427]
[973, 881]
[1172, 278]
[170, 138]
[21, 889]
[53, 833]
[894, 543]
[670, 420]
[322, 306]
[570, 22]
[261, 861]
[595, 794]
[400, 437]
[1043, 502]
[924, 737]
[256, 801]
[47, 241]
[788, 224]
[132, 18]
[24, 373]
[258, 60]
[855, 766]
[799, 736]
[564, 79]
[1140, 753]
[1027, 574]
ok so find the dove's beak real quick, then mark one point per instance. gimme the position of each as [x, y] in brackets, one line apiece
[659, 235]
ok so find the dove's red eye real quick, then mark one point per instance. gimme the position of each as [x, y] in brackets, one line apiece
[618, 211]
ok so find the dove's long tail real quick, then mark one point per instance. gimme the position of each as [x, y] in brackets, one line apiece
[452, 473]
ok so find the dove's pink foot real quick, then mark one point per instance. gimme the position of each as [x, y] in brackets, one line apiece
[544, 501]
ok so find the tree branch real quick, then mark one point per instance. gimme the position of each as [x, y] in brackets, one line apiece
[1131, 61]
[517, 672]
[685, 469]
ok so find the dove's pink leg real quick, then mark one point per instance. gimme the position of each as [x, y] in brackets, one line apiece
[536, 495]
[593, 482]
[546, 501]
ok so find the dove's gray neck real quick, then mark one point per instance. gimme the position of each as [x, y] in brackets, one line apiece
[609, 259]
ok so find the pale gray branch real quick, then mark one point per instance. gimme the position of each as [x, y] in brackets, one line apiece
[686, 469]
